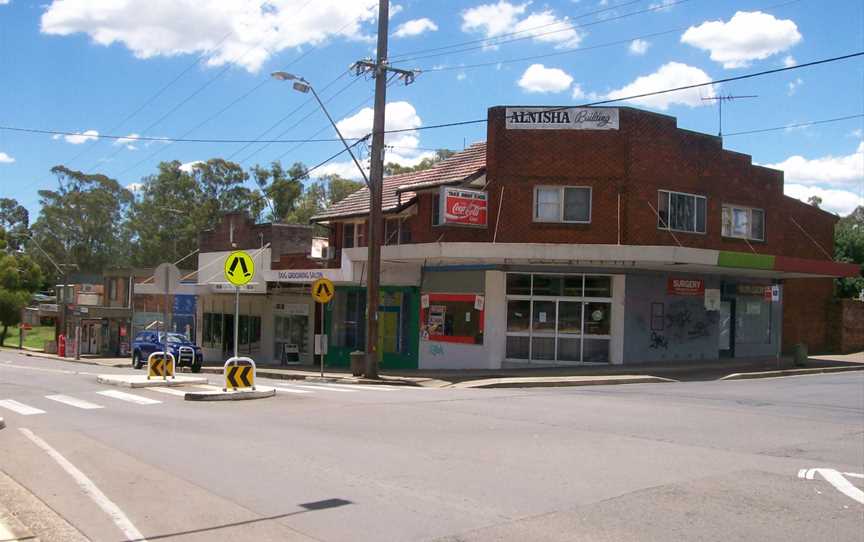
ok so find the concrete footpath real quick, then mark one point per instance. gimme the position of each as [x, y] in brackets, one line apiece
[682, 371]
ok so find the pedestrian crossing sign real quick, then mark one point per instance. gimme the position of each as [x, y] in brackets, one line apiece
[239, 268]
[323, 290]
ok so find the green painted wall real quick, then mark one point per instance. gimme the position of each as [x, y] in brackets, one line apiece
[745, 260]
[409, 359]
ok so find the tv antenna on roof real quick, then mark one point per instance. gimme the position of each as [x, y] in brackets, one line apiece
[720, 99]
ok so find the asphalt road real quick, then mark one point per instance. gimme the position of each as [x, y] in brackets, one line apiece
[677, 461]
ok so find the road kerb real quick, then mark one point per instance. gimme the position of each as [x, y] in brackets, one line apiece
[791, 372]
[260, 392]
[140, 381]
[561, 381]
[2, 426]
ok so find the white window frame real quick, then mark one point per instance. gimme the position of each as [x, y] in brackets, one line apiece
[668, 226]
[732, 208]
[356, 238]
[399, 218]
[557, 334]
[561, 190]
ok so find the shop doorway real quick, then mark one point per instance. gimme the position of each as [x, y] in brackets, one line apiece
[90, 338]
[228, 335]
[726, 336]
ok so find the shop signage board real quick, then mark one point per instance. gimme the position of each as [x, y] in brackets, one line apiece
[461, 207]
[562, 118]
[689, 287]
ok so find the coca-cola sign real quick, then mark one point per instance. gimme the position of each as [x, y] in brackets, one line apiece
[463, 207]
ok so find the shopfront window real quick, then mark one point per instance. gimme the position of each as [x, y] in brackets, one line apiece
[456, 318]
[557, 318]
[291, 335]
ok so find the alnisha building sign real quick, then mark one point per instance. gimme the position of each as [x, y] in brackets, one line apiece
[559, 118]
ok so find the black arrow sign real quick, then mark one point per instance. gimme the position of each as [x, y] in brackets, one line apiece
[323, 286]
[241, 372]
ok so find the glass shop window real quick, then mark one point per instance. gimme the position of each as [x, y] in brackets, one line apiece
[453, 318]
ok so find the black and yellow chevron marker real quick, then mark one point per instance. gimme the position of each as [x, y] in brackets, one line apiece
[239, 268]
[160, 366]
[239, 376]
[323, 290]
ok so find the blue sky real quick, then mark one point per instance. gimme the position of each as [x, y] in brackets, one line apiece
[86, 66]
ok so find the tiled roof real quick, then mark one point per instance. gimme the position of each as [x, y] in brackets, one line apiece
[397, 188]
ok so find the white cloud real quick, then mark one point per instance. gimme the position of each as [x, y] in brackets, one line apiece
[5, 158]
[793, 86]
[127, 141]
[832, 170]
[857, 133]
[461, 76]
[540, 79]
[134, 187]
[663, 5]
[748, 36]
[255, 32]
[3, 2]
[670, 75]
[188, 167]
[403, 146]
[493, 20]
[79, 137]
[580, 94]
[639, 47]
[841, 202]
[415, 27]
[789, 61]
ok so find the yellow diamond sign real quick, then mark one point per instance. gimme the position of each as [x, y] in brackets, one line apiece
[239, 268]
[323, 290]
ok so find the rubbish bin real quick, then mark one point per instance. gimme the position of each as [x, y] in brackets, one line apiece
[358, 363]
[800, 355]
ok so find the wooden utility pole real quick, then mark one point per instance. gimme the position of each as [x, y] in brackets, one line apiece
[379, 70]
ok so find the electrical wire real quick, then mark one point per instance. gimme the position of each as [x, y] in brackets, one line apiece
[167, 139]
[653, 93]
[796, 125]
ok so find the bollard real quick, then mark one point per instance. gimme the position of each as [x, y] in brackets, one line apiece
[160, 365]
[239, 373]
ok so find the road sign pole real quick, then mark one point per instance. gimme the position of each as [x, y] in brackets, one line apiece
[322, 341]
[236, 319]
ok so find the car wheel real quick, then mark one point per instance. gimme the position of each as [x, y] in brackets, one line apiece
[136, 360]
[196, 367]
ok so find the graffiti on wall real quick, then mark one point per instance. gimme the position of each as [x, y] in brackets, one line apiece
[436, 350]
[658, 341]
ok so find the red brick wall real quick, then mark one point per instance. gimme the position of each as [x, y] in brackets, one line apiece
[283, 238]
[846, 326]
[806, 304]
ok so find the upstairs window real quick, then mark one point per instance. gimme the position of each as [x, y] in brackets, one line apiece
[743, 223]
[396, 232]
[348, 235]
[678, 211]
[568, 204]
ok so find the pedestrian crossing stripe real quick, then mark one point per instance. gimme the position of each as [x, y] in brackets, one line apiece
[239, 268]
[20, 408]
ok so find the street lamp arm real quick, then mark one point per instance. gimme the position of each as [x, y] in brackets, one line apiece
[339, 133]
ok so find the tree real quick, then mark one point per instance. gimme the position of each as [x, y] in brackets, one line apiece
[320, 194]
[15, 219]
[815, 201]
[20, 276]
[82, 221]
[849, 247]
[222, 184]
[392, 168]
[284, 188]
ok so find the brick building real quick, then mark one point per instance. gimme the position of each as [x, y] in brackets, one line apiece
[581, 235]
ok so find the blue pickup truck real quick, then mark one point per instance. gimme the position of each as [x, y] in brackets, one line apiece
[185, 353]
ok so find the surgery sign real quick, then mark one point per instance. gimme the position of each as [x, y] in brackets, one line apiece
[463, 207]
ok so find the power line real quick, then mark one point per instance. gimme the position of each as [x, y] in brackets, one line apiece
[163, 139]
[647, 94]
[533, 36]
[796, 125]
[575, 49]
[158, 93]
[493, 39]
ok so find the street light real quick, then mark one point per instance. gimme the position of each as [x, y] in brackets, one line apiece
[304, 86]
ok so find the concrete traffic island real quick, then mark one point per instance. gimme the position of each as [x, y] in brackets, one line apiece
[243, 394]
[140, 381]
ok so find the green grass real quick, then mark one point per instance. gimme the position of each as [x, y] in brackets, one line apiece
[35, 338]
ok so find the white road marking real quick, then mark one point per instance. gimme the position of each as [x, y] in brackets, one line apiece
[123, 396]
[46, 370]
[324, 388]
[837, 480]
[169, 391]
[89, 488]
[72, 401]
[20, 408]
[367, 387]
